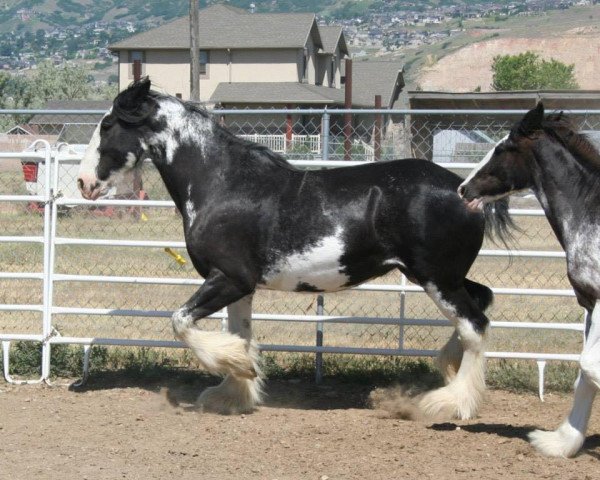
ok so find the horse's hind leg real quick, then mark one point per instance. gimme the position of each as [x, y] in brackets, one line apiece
[568, 438]
[463, 394]
[450, 358]
[450, 355]
[236, 394]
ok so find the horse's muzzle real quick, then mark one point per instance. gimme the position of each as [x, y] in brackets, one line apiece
[90, 189]
[474, 204]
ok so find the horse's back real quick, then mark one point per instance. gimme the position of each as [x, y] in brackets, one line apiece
[406, 172]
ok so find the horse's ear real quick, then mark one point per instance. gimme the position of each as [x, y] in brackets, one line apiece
[532, 121]
[131, 105]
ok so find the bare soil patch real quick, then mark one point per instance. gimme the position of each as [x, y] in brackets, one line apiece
[122, 428]
[470, 67]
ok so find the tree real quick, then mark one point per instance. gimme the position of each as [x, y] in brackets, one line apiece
[15, 92]
[64, 82]
[49, 82]
[527, 71]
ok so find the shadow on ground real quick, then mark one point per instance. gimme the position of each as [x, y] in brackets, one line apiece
[183, 387]
[515, 432]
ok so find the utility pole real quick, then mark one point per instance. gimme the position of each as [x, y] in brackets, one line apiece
[194, 53]
[348, 116]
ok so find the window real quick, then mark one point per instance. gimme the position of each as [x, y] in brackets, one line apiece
[305, 66]
[204, 60]
[332, 73]
[137, 56]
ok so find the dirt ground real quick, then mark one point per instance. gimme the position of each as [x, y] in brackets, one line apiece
[123, 428]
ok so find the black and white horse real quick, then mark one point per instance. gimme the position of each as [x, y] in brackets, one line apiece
[251, 220]
[562, 167]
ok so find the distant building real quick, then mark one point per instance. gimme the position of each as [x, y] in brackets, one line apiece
[66, 127]
[254, 59]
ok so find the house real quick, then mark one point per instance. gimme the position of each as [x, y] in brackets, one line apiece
[247, 59]
[260, 61]
[72, 128]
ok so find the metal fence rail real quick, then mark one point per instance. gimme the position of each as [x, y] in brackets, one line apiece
[111, 252]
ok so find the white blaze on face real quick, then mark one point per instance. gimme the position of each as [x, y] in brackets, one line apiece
[318, 267]
[87, 176]
[91, 157]
[482, 163]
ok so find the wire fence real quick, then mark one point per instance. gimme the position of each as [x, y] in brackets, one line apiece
[119, 266]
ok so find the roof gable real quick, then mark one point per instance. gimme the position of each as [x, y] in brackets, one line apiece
[370, 78]
[333, 37]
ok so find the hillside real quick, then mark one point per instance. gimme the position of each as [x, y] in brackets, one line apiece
[35, 14]
[464, 63]
[470, 68]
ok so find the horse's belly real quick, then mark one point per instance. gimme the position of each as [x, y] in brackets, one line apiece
[319, 280]
[315, 269]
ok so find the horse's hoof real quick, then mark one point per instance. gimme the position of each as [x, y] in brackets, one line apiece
[444, 404]
[566, 441]
[232, 396]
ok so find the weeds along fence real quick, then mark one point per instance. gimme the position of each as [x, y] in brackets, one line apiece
[111, 272]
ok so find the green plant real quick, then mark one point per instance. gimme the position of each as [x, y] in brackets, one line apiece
[527, 71]
[65, 360]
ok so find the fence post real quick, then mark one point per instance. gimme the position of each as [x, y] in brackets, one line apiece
[50, 217]
[289, 128]
[319, 355]
[377, 132]
[325, 122]
[402, 314]
[347, 115]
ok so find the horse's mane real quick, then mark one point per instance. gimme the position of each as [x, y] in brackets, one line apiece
[264, 152]
[562, 128]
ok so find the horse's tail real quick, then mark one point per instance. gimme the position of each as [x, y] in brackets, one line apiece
[498, 222]
[481, 295]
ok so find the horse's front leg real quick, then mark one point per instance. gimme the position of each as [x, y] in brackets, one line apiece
[221, 353]
[568, 438]
[237, 394]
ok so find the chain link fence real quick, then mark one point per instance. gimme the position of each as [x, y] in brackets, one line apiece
[451, 138]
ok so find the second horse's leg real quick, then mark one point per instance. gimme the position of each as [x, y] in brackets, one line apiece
[237, 394]
[568, 438]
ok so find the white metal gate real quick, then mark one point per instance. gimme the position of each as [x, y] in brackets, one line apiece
[53, 201]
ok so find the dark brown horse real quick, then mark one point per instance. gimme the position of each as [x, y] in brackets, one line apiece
[562, 166]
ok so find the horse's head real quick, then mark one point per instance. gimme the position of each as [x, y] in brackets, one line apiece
[508, 167]
[117, 144]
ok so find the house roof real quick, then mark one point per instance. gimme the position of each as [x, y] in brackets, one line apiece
[370, 78]
[276, 93]
[221, 26]
[43, 118]
[331, 37]
[513, 100]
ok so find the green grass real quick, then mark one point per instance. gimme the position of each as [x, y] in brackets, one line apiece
[153, 363]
